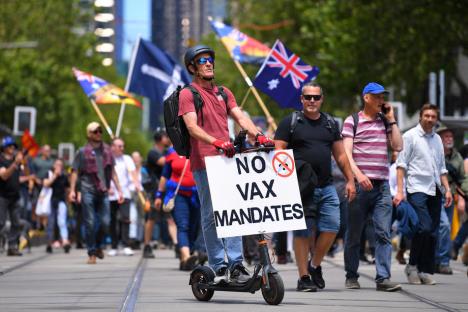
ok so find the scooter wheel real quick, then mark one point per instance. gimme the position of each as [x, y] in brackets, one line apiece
[202, 275]
[275, 294]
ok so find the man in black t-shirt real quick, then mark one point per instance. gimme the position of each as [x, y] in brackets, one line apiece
[154, 163]
[10, 167]
[314, 137]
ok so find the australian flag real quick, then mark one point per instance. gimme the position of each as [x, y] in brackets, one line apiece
[153, 73]
[282, 76]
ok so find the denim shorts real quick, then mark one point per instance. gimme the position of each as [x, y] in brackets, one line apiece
[328, 219]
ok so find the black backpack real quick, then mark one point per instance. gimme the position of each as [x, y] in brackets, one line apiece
[355, 117]
[175, 125]
[299, 116]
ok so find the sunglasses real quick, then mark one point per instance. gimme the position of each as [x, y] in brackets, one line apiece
[203, 60]
[309, 97]
[98, 130]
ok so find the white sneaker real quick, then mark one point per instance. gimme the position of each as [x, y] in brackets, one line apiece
[412, 274]
[426, 279]
[112, 253]
[128, 251]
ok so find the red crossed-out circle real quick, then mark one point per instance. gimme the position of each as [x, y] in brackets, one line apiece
[282, 167]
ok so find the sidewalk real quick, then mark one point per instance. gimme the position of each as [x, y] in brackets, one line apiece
[61, 282]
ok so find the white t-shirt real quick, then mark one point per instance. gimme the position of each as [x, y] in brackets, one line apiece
[124, 165]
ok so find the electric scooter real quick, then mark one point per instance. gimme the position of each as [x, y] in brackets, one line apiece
[264, 277]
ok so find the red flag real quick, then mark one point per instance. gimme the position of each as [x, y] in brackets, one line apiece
[29, 144]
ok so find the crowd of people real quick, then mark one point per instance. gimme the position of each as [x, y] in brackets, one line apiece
[356, 197]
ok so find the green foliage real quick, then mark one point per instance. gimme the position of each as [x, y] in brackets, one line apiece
[396, 43]
[42, 77]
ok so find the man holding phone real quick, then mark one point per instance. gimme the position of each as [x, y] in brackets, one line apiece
[365, 137]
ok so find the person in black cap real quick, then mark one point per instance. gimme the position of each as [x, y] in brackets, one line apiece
[10, 167]
[154, 163]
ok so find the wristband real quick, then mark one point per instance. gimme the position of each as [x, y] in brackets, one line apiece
[392, 123]
[159, 194]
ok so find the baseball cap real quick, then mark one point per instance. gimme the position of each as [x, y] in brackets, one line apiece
[374, 88]
[92, 126]
[442, 128]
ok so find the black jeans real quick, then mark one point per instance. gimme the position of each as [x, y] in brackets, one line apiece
[120, 223]
[11, 207]
[423, 245]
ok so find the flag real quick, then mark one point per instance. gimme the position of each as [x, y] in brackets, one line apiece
[282, 76]
[103, 92]
[29, 144]
[153, 73]
[242, 47]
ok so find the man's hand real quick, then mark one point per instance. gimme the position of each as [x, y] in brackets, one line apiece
[364, 181]
[265, 141]
[19, 158]
[350, 191]
[157, 204]
[227, 147]
[72, 196]
[448, 198]
[399, 197]
[121, 198]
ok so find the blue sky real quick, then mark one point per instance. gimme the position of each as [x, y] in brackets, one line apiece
[137, 21]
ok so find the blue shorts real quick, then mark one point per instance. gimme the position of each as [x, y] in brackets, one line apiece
[328, 219]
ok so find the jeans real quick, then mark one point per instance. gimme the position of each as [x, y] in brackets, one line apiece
[423, 245]
[187, 218]
[96, 215]
[120, 223]
[461, 235]
[216, 248]
[444, 241]
[11, 207]
[58, 214]
[377, 202]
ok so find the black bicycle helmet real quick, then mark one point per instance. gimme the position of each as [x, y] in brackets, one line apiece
[192, 52]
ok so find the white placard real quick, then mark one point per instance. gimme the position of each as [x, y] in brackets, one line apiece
[255, 193]
[25, 118]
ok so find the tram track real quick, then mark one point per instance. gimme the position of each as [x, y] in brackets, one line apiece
[407, 293]
[22, 264]
[131, 293]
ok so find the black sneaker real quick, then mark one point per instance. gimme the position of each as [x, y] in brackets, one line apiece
[14, 252]
[239, 274]
[352, 283]
[387, 285]
[221, 275]
[316, 275]
[305, 284]
[49, 249]
[148, 252]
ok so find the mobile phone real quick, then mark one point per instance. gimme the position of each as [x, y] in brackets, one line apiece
[385, 109]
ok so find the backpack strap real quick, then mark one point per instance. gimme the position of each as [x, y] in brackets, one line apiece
[331, 123]
[198, 102]
[295, 117]
[355, 122]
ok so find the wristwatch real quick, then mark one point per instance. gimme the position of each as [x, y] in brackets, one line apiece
[392, 123]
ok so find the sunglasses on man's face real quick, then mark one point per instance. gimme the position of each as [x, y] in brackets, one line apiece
[98, 130]
[309, 97]
[203, 60]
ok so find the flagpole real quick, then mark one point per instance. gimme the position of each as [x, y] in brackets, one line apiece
[127, 83]
[103, 120]
[250, 84]
[245, 97]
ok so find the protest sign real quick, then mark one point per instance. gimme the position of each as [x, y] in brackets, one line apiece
[255, 193]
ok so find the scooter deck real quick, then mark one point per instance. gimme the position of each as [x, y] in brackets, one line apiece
[254, 284]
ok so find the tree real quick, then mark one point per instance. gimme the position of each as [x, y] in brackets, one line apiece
[353, 42]
[42, 76]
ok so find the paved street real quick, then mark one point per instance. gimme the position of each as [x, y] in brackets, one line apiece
[61, 282]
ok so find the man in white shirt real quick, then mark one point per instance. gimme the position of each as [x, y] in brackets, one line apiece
[120, 213]
[422, 162]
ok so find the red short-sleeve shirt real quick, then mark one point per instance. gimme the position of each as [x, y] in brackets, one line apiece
[214, 119]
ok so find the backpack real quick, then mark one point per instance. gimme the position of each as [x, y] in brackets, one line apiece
[355, 117]
[298, 116]
[175, 125]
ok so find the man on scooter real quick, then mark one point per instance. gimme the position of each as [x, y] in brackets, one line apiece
[208, 136]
